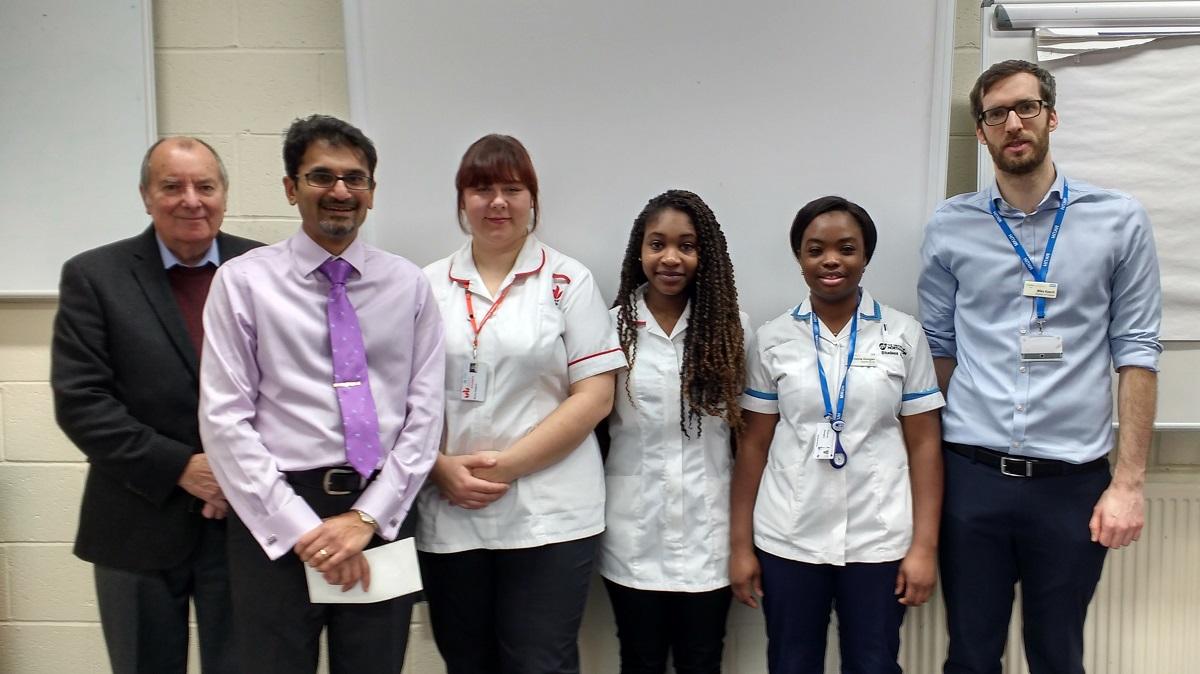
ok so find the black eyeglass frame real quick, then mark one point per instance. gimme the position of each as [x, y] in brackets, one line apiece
[1041, 105]
[345, 178]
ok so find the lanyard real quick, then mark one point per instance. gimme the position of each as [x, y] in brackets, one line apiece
[478, 328]
[835, 418]
[1039, 275]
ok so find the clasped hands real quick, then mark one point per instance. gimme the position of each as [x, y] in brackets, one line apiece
[334, 548]
[471, 481]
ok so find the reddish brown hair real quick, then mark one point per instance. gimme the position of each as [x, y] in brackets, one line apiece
[496, 158]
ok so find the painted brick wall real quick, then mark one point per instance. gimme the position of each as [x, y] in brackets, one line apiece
[236, 72]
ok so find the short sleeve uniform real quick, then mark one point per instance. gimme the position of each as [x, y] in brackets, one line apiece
[807, 510]
[668, 494]
[551, 329]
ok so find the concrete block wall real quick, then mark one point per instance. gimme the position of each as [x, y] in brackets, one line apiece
[236, 72]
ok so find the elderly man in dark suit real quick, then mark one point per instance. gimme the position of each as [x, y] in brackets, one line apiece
[124, 371]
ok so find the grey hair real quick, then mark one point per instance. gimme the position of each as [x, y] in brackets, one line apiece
[184, 142]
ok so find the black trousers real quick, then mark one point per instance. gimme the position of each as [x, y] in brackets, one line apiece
[997, 530]
[145, 613]
[278, 629]
[509, 611]
[690, 626]
[797, 600]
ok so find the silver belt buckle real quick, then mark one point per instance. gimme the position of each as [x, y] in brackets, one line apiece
[325, 481]
[1004, 461]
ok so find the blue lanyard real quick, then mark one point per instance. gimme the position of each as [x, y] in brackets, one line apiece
[1039, 303]
[835, 418]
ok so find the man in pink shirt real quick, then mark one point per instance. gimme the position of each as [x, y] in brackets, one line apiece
[319, 453]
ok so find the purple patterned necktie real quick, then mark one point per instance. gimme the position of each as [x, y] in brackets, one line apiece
[359, 419]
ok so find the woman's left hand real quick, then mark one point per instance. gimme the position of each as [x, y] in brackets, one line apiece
[917, 576]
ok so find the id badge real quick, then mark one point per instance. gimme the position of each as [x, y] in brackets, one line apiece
[1040, 289]
[823, 443]
[863, 361]
[1037, 348]
[474, 382]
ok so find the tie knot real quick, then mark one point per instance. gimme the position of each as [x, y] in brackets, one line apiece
[336, 270]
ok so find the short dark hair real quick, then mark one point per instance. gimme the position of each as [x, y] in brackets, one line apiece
[1004, 69]
[304, 132]
[184, 142]
[829, 204]
[492, 159]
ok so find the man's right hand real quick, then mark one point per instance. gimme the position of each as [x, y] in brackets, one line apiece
[198, 480]
[452, 475]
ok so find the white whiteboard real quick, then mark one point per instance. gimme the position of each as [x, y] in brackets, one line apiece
[76, 115]
[757, 107]
[1179, 368]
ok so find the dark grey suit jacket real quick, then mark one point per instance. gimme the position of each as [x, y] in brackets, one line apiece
[126, 389]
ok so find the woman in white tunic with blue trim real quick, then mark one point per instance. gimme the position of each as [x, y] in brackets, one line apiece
[665, 553]
[837, 488]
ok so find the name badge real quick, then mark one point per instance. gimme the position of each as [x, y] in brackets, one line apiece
[1041, 348]
[1040, 289]
[474, 382]
[863, 361]
[823, 443]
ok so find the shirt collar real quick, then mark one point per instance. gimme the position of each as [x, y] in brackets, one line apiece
[868, 308]
[213, 256]
[1052, 198]
[462, 271]
[308, 255]
[647, 318]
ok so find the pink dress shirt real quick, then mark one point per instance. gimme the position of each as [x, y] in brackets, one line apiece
[267, 404]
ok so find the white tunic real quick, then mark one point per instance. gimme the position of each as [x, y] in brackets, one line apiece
[667, 510]
[551, 330]
[807, 510]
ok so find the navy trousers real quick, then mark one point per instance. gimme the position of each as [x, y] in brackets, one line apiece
[797, 599]
[509, 611]
[690, 626]
[997, 530]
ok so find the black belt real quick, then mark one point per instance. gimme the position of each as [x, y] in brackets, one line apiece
[333, 481]
[1020, 466]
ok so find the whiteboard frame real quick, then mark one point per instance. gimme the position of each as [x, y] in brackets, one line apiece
[362, 22]
[121, 182]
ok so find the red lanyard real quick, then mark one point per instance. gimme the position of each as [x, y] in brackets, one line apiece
[478, 328]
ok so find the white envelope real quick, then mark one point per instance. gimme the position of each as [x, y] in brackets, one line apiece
[394, 572]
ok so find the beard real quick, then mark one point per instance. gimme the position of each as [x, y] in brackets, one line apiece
[1021, 165]
[337, 227]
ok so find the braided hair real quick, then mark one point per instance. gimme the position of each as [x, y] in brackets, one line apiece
[713, 373]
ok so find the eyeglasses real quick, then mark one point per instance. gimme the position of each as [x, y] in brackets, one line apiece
[1024, 109]
[325, 180]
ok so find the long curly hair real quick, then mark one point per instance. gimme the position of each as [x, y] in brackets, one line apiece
[713, 374]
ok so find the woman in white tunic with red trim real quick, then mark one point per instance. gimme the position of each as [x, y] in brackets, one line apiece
[838, 485]
[665, 554]
[509, 522]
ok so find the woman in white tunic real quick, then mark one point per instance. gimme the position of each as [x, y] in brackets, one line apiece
[510, 520]
[665, 554]
[838, 483]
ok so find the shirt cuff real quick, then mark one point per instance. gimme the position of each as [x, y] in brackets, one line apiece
[921, 401]
[278, 533]
[596, 363]
[388, 507]
[760, 401]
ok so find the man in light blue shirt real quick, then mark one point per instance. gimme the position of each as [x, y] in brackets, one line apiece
[1030, 291]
